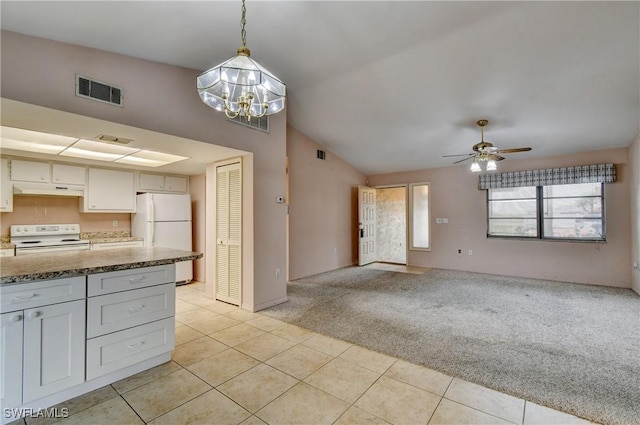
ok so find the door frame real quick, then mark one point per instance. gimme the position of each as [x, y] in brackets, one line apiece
[247, 263]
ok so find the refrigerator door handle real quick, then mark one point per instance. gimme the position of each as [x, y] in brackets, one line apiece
[152, 219]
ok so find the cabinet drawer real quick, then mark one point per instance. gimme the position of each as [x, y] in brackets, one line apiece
[125, 280]
[118, 350]
[121, 310]
[35, 294]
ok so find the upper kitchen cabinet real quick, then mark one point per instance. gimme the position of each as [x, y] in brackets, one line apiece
[6, 188]
[68, 174]
[30, 171]
[160, 183]
[109, 191]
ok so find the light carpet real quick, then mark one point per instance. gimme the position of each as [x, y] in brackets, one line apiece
[571, 347]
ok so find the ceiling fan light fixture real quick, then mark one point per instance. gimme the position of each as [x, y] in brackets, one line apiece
[241, 86]
[475, 166]
[491, 165]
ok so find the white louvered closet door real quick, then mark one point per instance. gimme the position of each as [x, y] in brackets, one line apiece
[229, 232]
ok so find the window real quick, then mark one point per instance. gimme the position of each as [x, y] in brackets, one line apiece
[513, 212]
[562, 212]
[419, 236]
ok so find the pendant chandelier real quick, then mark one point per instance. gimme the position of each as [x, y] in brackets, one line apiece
[240, 86]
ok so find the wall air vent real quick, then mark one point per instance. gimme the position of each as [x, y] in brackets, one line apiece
[261, 123]
[321, 154]
[97, 90]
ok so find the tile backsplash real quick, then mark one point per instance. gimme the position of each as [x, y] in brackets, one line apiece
[60, 210]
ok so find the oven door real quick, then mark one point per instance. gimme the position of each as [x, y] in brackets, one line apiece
[50, 249]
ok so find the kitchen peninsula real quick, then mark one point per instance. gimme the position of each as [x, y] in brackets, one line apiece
[73, 322]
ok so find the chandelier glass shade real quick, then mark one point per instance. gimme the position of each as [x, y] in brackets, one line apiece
[241, 86]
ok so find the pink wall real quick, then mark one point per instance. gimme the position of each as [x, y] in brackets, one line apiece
[161, 98]
[198, 211]
[60, 210]
[454, 194]
[322, 210]
[634, 165]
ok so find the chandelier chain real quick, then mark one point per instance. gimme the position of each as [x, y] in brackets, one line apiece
[243, 22]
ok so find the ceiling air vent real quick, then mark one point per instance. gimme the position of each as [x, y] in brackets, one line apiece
[113, 139]
[321, 154]
[97, 90]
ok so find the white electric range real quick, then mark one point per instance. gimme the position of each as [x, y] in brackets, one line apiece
[41, 238]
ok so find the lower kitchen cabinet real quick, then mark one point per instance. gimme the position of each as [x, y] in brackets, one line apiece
[54, 347]
[64, 337]
[11, 359]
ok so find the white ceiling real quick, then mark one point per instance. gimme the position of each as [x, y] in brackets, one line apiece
[393, 86]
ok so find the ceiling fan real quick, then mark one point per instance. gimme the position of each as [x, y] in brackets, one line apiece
[485, 151]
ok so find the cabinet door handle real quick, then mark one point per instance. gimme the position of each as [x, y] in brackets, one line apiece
[137, 279]
[33, 314]
[136, 345]
[24, 297]
[15, 318]
[136, 308]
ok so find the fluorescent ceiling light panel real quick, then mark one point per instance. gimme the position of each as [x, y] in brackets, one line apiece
[89, 149]
[151, 158]
[33, 141]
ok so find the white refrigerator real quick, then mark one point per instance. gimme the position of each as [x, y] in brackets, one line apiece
[164, 220]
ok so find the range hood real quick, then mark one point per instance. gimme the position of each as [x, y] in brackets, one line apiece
[45, 189]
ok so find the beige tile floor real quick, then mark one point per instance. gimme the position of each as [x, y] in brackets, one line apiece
[235, 367]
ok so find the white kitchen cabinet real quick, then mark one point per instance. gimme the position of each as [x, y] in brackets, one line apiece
[68, 174]
[175, 184]
[160, 183]
[30, 171]
[6, 187]
[110, 191]
[54, 348]
[114, 245]
[11, 359]
[43, 338]
[130, 317]
[150, 182]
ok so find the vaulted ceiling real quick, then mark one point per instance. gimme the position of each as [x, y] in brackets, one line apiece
[390, 85]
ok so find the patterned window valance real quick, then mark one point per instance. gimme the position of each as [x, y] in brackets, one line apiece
[600, 173]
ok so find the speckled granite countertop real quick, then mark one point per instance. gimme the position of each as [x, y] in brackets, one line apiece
[28, 268]
[107, 237]
[5, 242]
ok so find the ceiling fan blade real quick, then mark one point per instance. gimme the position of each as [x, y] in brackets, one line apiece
[496, 157]
[462, 154]
[513, 150]
[462, 160]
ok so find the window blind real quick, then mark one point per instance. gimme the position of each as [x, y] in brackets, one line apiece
[599, 173]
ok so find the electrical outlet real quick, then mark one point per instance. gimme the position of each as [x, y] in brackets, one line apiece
[114, 223]
[470, 252]
[438, 221]
[277, 271]
[445, 221]
[459, 251]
